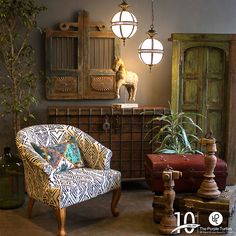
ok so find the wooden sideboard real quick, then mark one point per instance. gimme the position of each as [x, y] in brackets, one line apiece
[122, 130]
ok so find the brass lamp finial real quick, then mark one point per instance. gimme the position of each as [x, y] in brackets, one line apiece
[124, 5]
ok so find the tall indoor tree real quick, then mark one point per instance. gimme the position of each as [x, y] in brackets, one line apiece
[18, 19]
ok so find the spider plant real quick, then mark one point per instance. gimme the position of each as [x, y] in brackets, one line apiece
[178, 134]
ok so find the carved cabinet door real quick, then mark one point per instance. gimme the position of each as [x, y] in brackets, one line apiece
[200, 82]
[79, 59]
[204, 80]
[203, 88]
[64, 65]
[99, 78]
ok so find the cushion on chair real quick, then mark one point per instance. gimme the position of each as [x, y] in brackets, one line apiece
[61, 156]
[78, 185]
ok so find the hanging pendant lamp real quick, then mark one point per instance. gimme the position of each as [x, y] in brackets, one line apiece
[124, 24]
[151, 50]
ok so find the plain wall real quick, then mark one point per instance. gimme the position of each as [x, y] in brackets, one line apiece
[170, 16]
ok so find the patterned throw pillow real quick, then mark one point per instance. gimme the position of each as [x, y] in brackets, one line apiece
[61, 156]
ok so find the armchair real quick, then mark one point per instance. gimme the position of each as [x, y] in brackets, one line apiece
[65, 188]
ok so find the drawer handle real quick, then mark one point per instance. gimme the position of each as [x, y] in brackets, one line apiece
[116, 124]
[106, 125]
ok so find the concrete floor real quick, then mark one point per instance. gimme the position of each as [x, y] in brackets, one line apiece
[92, 217]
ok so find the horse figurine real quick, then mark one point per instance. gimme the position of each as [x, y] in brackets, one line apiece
[127, 78]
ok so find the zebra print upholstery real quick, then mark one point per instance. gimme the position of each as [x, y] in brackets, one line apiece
[65, 188]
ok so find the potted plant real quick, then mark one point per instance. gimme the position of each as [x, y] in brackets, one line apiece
[18, 18]
[178, 134]
[175, 145]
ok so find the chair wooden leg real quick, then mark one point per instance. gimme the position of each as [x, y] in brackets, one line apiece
[30, 206]
[61, 219]
[114, 202]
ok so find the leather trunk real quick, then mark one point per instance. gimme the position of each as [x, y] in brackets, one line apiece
[192, 167]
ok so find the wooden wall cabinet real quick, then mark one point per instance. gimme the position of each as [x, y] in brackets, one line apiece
[203, 81]
[79, 59]
[122, 130]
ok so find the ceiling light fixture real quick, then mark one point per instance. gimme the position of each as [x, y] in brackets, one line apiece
[151, 50]
[124, 24]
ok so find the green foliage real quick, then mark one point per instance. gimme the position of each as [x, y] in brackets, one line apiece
[178, 134]
[18, 18]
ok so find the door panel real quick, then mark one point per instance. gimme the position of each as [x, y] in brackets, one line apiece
[190, 92]
[203, 89]
[191, 62]
[190, 98]
[63, 72]
[215, 60]
[64, 53]
[214, 92]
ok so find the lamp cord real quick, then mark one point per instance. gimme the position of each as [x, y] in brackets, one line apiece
[152, 26]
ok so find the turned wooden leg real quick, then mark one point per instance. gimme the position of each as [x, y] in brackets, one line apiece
[30, 206]
[114, 202]
[61, 219]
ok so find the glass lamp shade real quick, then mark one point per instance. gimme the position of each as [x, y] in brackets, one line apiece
[151, 51]
[124, 25]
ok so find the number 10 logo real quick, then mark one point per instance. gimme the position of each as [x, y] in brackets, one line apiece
[188, 227]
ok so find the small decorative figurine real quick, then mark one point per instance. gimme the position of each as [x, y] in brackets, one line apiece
[209, 188]
[168, 221]
[127, 78]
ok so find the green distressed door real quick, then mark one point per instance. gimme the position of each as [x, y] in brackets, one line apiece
[203, 84]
